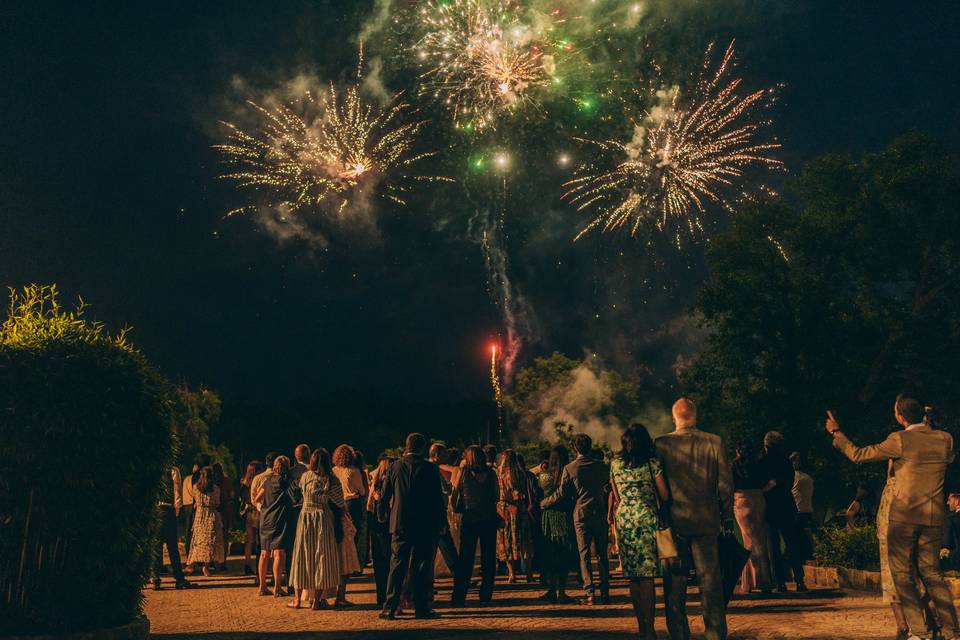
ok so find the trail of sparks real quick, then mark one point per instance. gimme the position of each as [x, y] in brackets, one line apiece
[481, 60]
[683, 155]
[329, 151]
[495, 379]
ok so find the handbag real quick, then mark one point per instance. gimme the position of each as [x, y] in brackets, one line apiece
[666, 544]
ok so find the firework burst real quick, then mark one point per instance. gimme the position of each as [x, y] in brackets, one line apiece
[325, 151]
[481, 59]
[684, 155]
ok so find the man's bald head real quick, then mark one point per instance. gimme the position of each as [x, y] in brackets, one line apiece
[302, 453]
[684, 413]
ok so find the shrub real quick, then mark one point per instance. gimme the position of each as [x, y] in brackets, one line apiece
[853, 549]
[85, 434]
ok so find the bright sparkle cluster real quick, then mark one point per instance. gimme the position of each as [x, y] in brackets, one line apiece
[481, 60]
[683, 155]
[326, 151]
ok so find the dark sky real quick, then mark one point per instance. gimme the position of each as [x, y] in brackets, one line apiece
[107, 188]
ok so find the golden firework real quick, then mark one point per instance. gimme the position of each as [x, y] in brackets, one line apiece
[683, 155]
[481, 59]
[325, 151]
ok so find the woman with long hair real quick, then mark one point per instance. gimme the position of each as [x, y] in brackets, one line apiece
[206, 546]
[276, 528]
[475, 495]
[513, 540]
[749, 508]
[557, 539]
[636, 478]
[378, 512]
[250, 515]
[315, 566]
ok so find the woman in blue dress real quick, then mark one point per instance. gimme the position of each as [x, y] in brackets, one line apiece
[637, 481]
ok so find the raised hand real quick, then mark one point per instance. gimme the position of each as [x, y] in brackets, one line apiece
[832, 424]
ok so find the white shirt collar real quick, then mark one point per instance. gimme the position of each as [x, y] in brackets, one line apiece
[917, 426]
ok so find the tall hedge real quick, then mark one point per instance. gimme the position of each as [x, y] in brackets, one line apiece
[85, 434]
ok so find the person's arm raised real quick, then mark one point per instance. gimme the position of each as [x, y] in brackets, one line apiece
[889, 449]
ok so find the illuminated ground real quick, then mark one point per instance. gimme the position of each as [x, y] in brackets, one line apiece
[228, 608]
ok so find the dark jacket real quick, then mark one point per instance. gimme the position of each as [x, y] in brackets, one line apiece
[951, 541]
[414, 492]
[476, 495]
[587, 482]
[781, 507]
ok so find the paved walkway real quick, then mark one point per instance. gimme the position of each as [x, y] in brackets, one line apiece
[227, 607]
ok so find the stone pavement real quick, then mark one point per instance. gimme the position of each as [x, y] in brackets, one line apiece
[227, 607]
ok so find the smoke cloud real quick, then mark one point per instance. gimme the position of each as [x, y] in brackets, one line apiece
[584, 401]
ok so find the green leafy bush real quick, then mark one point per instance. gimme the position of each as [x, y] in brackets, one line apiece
[85, 434]
[853, 549]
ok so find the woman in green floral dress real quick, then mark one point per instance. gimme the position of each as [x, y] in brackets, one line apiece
[557, 545]
[636, 478]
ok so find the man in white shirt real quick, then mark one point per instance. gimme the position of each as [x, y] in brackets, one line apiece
[257, 483]
[263, 565]
[803, 496]
[802, 488]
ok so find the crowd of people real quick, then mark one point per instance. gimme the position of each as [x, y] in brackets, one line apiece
[663, 508]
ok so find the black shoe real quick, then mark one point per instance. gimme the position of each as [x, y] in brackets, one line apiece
[587, 601]
[781, 588]
[387, 615]
[605, 598]
[549, 596]
[802, 588]
[247, 570]
[183, 584]
[427, 615]
[156, 585]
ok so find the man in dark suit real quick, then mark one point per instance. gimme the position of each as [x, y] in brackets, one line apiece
[950, 544]
[414, 492]
[586, 481]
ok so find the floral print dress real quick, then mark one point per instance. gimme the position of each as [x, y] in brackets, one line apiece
[636, 517]
[513, 540]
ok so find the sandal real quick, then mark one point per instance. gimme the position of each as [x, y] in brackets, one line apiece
[265, 592]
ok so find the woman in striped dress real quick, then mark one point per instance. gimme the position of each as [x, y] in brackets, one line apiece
[316, 555]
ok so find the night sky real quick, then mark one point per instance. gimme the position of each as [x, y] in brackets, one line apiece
[108, 188]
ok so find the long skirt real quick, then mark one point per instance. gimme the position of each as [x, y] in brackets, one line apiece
[349, 558]
[749, 509]
[513, 540]
[316, 555]
[207, 545]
